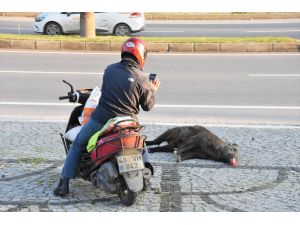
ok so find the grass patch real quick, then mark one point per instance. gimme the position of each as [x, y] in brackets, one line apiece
[33, 161]
[77, 38]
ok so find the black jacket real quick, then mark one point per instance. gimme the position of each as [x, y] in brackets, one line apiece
[125, 87]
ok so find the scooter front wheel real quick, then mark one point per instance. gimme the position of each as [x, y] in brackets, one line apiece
[126, 196]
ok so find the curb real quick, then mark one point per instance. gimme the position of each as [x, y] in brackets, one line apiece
[152, 47]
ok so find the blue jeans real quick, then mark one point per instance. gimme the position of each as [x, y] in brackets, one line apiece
[79, 146]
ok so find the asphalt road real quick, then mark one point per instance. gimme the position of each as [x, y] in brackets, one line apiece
[255, 89]
[289, 28]
[277, 28]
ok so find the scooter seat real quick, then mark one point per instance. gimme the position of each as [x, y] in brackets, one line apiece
[113, 125]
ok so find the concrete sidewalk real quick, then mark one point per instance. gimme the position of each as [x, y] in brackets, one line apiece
[267, 179]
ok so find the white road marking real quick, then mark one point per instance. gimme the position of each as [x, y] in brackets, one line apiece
[270, 31]
[228, 107]
[38, 103]
[49, 72]
[274, 75]
[163, 31]
[226, 125]
[254, 126]
[165, 106]
[101, 73]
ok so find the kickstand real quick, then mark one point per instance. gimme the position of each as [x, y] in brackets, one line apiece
[64, 143]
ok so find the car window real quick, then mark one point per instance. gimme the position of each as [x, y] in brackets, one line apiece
[70, 13]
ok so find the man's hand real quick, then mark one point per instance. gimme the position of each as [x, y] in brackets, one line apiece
[155, 84]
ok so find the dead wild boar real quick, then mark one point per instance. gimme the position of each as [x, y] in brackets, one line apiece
[190, 142]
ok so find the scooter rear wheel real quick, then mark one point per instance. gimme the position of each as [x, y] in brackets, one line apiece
[126, 196]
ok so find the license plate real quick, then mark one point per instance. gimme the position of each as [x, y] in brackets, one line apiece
[129, 163]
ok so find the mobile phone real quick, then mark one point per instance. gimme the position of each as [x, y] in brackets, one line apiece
[152, 76]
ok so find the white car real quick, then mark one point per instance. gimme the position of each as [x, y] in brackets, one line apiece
[119, 24]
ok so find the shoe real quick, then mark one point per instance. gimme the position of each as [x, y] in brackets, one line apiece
[63, 187]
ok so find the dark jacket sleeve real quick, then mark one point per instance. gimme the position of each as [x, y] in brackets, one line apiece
[147, 99]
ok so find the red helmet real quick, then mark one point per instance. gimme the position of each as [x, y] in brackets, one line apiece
[137, 48]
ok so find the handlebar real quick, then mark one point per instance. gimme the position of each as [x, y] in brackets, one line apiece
[70, 85]
[72, 95]
[63, 97]
[79, 96]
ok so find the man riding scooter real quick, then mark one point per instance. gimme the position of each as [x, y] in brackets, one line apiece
[125, 87]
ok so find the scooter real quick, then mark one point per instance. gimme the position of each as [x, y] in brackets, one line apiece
[118, 163]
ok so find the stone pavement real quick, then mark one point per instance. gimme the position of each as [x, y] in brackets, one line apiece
[268, 178]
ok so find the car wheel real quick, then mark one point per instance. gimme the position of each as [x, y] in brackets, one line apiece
[53, 28]
[122, 29]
